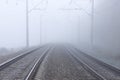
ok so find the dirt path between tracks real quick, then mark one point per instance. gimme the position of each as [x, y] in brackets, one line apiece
[59, 66]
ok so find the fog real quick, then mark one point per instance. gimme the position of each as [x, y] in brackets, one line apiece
[56, 21]
[62, 21]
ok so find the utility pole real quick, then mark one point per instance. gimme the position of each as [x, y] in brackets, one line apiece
[27, 25]
[40, 29]
[92, 22]
[27, 20]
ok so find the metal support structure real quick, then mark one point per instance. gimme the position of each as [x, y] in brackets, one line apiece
[27, 20]
[92, 22]
[27, 25]
[40, 29]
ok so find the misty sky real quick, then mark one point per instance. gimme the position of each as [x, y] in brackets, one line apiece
[53, 22]
[61, 21]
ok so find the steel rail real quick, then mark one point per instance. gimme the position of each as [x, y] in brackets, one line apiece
[36, 66]
[108, 66]
[15, 59]
[86, 67]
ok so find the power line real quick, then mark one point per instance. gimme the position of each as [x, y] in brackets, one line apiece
[35, 7]
[90, 14]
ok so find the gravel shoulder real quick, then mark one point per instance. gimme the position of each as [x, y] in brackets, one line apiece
[19, 69]
[6, 57]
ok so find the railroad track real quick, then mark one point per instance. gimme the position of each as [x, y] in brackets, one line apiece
[58, 65]
[18, 67]
[11, 61]
[66, 61]
[97, 68]
[36, 66]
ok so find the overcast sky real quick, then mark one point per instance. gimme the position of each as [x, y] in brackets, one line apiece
[54, 23]
[59, 21]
